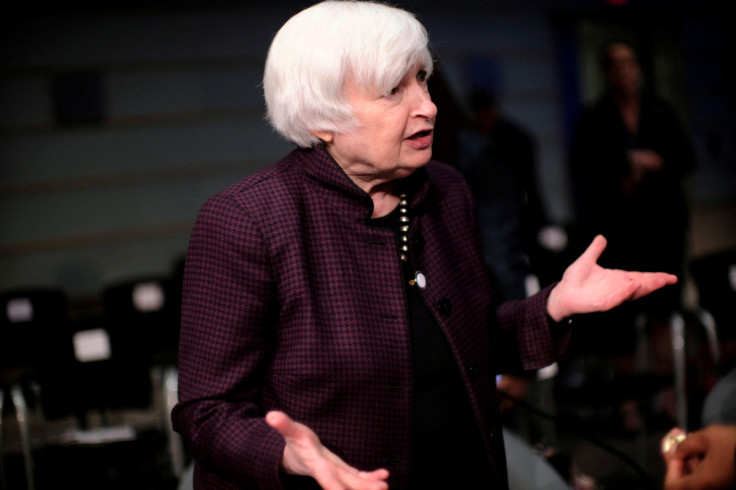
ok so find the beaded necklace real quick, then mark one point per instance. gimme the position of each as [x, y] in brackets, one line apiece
[419, 279]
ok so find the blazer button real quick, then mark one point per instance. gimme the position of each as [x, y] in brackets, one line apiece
[444, 307]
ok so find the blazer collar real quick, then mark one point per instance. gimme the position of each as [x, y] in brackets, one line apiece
[319, 166]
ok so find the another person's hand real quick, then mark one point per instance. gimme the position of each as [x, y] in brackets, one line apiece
[587, 287]
[305, 455]
[704, 460]
[515, 387]
[643, 161]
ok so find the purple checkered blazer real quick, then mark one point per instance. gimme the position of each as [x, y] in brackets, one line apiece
[293, 302]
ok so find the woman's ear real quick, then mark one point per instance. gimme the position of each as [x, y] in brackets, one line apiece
[325, 136]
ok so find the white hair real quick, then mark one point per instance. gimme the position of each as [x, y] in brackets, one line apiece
[316, 51]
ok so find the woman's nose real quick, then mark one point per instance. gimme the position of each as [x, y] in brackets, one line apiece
[424, 106]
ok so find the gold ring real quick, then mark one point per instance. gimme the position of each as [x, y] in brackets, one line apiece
[671, 440]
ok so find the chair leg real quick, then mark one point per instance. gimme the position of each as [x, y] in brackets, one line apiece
[21, 414]
[3, 483]
[709, 325]
[677, 328]
[170, 391]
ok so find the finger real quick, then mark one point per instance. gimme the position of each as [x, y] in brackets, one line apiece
[282, 423]
[691, 464]
[657, 279]
[693, 444]
[650, 282]
[380, 474]
[627, 291]
[333, 473]
[675, 477]
[671, 440]
[345, 469]
[663, 277]
[595, 249]
[373, 480]
[647, 288]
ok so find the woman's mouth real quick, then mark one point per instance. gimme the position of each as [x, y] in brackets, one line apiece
[421, 139]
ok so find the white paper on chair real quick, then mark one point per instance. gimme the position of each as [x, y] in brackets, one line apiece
[19, 310]
[99, 435]
[91, 345]
[148, 297]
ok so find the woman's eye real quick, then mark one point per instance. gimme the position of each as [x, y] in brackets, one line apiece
[393, 91]
[422, 76]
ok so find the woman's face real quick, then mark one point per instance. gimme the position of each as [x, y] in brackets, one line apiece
[395, 131]
[623, 71]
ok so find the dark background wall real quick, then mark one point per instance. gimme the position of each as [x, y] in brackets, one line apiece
[116, 122]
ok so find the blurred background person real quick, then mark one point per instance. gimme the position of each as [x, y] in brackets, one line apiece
[629, 161]
[628, 165]
[498, 158]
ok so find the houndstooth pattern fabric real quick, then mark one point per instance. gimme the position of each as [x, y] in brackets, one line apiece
[293, 302]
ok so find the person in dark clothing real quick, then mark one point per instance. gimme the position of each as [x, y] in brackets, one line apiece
[628, 165]
[629, 162]
[498, 158]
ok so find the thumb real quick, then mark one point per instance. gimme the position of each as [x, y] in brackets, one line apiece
[595, 249]
[281, 422]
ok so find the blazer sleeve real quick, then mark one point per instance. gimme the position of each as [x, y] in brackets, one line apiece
[226, 339]
[530, 338]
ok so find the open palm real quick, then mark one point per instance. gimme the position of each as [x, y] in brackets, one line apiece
[586, 287]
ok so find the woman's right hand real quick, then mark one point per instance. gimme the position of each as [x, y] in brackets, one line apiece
[304, 454]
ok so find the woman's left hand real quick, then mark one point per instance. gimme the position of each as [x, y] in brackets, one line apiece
[587, 287]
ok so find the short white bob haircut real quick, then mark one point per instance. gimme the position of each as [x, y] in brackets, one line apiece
[319, 49]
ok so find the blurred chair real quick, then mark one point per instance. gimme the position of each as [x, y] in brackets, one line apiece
[714, 276]
[143, 316]
[109, 378]
[35, 358]
[111, 442]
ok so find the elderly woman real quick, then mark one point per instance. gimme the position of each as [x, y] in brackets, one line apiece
[337, 326]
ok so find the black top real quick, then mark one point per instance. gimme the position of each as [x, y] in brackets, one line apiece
[448, 451]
